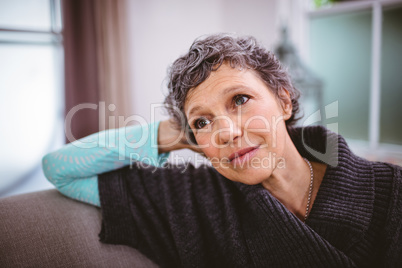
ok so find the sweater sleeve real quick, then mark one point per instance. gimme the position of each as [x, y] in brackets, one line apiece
[74, 168]
[177, 215]
[181, 216]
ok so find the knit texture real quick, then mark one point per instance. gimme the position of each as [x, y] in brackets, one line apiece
[181, 216]
[73, 168]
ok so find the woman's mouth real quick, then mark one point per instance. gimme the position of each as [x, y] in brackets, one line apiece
[243, 155]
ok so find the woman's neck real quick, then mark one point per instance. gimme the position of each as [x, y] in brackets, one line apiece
[290, 185]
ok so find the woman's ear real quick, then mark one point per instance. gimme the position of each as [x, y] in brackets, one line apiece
[286, 103]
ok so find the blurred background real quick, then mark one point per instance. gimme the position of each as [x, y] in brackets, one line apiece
[70, 68]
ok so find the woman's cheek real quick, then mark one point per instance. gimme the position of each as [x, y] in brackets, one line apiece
[204, 144]
[210, 152]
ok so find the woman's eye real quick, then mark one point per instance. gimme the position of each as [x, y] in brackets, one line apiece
[240, 100]
[200, 123]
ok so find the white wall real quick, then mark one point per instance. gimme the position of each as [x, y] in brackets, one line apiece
[161, 31]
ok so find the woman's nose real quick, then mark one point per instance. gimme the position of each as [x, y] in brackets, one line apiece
[227, 130]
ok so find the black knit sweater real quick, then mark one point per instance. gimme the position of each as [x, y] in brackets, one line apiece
[180, 216]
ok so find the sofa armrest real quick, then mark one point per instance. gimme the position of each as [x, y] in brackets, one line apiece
[47, 229]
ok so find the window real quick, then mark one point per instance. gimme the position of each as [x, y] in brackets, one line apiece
[31, 84]
[356, 48]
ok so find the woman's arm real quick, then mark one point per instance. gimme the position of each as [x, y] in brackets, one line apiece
[74, 168]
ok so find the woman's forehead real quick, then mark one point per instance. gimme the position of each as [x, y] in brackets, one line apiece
[226, 80]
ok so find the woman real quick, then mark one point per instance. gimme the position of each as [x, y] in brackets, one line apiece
[267, 200]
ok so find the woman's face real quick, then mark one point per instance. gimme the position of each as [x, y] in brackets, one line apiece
[239, 124]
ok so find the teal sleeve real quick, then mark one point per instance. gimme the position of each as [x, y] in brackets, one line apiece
[74, 168]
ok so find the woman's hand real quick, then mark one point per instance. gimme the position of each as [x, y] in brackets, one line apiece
[170, 139]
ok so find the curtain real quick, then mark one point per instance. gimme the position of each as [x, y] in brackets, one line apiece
[96, 67]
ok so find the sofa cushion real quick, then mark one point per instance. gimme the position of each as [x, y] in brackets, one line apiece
[47, 229]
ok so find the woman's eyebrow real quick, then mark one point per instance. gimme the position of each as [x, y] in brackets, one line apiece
[194, 110]
[225, 91]
[236, 88]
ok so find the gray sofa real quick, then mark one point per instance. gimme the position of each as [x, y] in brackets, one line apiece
[47, 229]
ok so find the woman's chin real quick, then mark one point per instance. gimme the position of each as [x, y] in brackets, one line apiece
[249, 177]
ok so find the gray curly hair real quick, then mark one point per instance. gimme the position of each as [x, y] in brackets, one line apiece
[207, 54]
